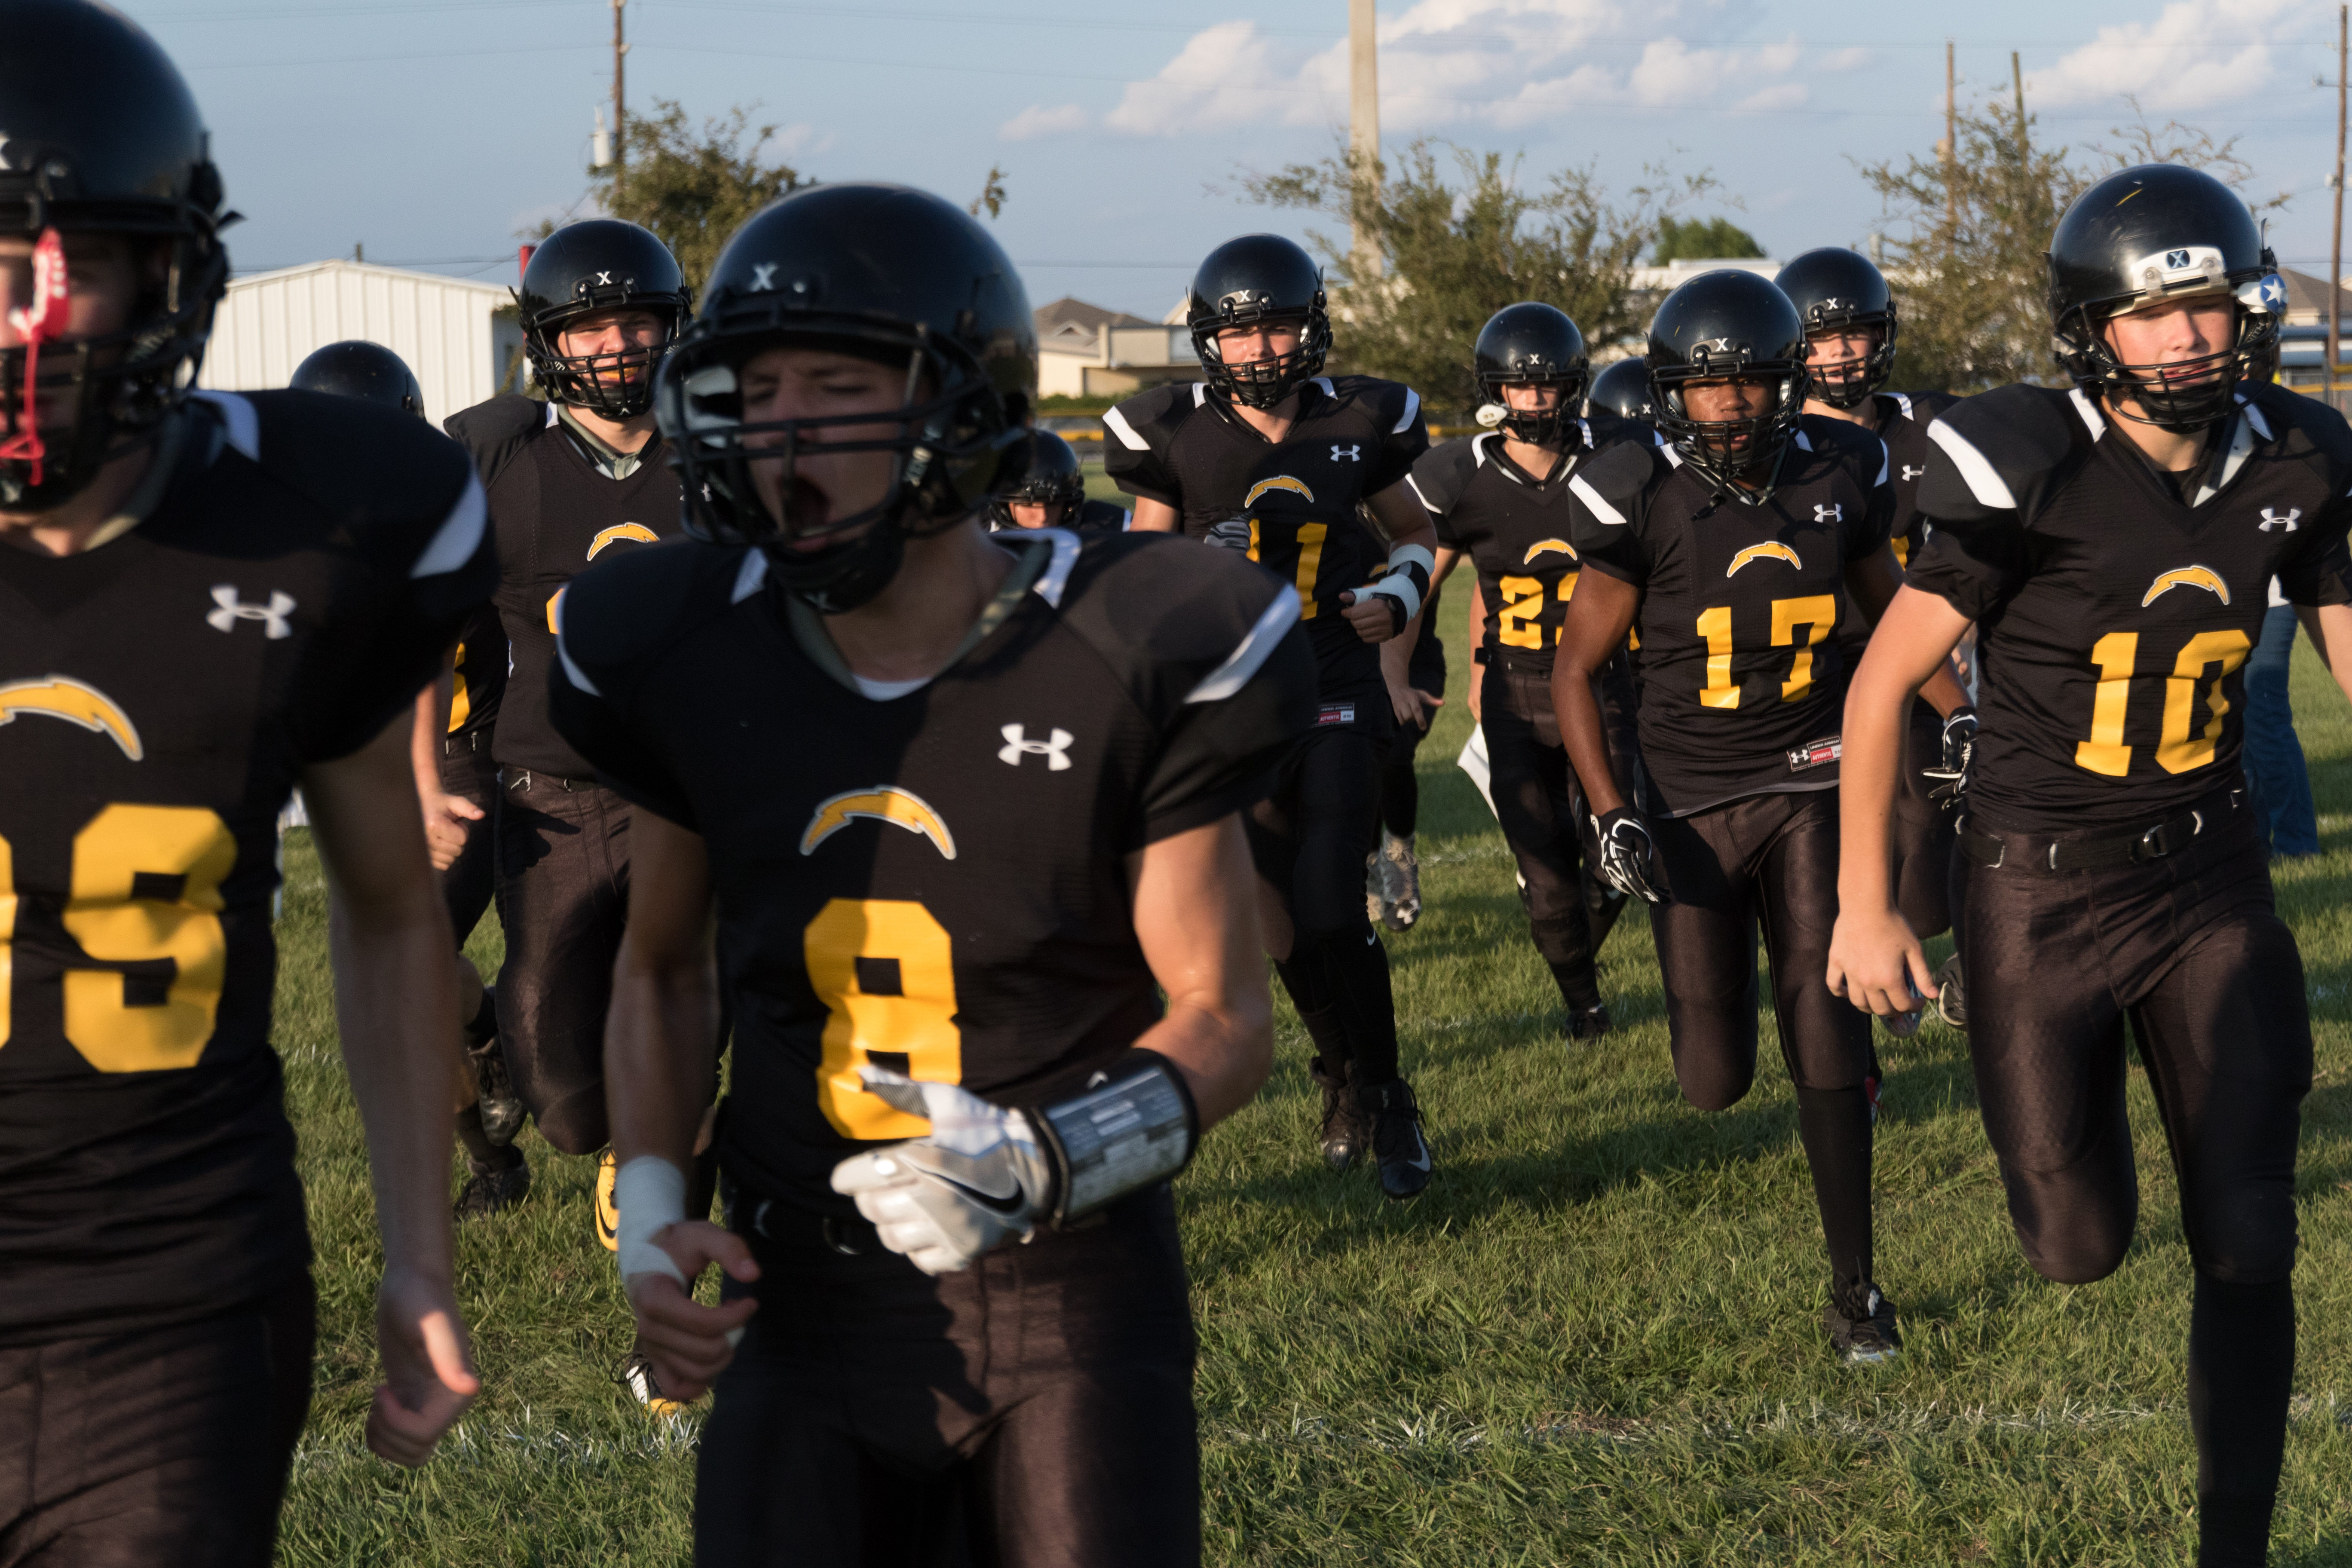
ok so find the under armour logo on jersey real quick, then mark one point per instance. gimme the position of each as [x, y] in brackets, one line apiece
[2271, 520]
[1833, 512]
[1354, 454]
[763, 276]
[1910, 473]
[231, 610]
[1017, 745]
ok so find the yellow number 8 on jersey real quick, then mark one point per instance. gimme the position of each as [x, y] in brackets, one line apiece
[886, 972]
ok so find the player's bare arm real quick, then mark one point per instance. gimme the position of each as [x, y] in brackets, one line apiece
[395, 1004]
[1599, 618]
[1155, 517]
[658, 1046]
[1401, 517]
[446, 815]
[1873, 581]
[1195, 905]
[2329, 628]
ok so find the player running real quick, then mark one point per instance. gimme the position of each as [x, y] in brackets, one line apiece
[961, 800]
[1502, 498]
[1849, 329]
[209, 599]
[1737, 556]
[1052, 493]
[1271, 456]
[2113, 545]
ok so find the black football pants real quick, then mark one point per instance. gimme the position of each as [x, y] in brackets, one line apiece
[161, 1446]
[468, 885]
[1033, 1411]
[563, 895]
[2189, 950]
[1923, 831]
[1770, 859]
[1400, 784]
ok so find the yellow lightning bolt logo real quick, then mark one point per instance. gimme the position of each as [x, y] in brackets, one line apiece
[1775, 550]
[62, 697]
[883, 803]
[1548, 547]
[1280, 482]
[621, 531]
[2203, 577]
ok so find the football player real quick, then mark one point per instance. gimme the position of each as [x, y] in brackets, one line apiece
[961, 800]
[1502, 499]
[1850, 328]
[1270, 456]
[1735, 555]
[210, 599]
[1052, 493]
[1622, 389]
[2112, 544]
[457, 785]
[569, 480]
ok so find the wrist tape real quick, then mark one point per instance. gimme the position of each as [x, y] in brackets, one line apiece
[1407, 582]
[650, 1193]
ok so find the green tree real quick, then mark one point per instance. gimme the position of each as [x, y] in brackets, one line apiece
[1688, 239]
[1458, 236]
[694, 187]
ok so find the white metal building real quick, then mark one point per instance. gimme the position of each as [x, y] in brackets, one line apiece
[444, 327]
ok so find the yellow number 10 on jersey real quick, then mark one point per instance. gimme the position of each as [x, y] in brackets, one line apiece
[146, 884]
[2177, 750]
[886, 972]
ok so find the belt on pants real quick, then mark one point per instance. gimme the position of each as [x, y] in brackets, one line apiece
[2100, 851]
[471, 740]
[523, 779]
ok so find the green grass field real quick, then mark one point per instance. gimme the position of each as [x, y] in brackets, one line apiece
[1595, 1340]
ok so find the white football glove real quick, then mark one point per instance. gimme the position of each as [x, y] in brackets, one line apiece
[981, 1178]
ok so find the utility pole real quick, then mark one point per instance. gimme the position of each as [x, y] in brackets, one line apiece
[1363, 130]
[2017, 76]
[620, 52]
[2335, 250]
[1951, 143]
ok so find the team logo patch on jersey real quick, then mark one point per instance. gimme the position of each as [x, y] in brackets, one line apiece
[620, 531]
[228, 609]
[2203, 577]
[883, 803]
[1017, 745]
[2271, 520]
[1775, 550]
[1280, 482]
[63, 697]
[1550, 547]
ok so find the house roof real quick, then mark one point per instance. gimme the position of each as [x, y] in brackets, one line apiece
[2307, 296]
[1067, 318]
[371, 269]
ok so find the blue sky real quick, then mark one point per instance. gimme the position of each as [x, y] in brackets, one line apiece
[433, 131]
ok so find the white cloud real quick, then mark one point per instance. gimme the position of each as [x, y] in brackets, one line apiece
[1503, 62]
[1037, 121]
[799, 140]
[2187, 57]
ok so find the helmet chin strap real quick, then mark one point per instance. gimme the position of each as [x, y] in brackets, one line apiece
[43, 322]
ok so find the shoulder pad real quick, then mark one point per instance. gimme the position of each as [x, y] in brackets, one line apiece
[1615, 475]
[1391, 405]
[2283, 409]
[1149, 418]
[1603, 429]
[1174, 619]
[1842, 441]
[491, 432]
[1918, 406]
[627, 607]
[1992, 449]
[1440, 475]
[1102, 517]
[359, 464]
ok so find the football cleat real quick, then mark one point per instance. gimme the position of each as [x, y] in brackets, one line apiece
[1400, 882]
[1951, 1001]
[637, 1376]
[1859, 1323]
[1345, 1129]
[1588, 1022]
[1402, 1153]
[502, 1108]
[488, 1191]
[1376, 904]
[608, 1207]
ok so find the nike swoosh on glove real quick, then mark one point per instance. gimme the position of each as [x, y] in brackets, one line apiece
[981, 1178]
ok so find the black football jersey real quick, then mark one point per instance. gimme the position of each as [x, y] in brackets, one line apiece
[556, 512]
[933, 882]
[1515, 528]
[1902, 418]
[1744, 642]
[480, 678]
[308, 564]
[2114, 619]
[1354, 436]
[1093, 517]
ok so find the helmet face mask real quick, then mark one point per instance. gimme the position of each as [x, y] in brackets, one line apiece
[600, 267]
[1259, 279]
[1532, 344]
[1725, 326]
[2144, 236]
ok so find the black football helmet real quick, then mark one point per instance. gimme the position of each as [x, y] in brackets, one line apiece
[1622, 389]
[1526, 344]
[2150, 234]
[600, 264]
[885, 273]
[1258, 278]
[1720, 325]
[99, 135]
[357, 368]
[1050, 478]
[1839, 290]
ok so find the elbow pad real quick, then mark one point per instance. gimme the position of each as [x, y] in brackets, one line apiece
[1130, 1124]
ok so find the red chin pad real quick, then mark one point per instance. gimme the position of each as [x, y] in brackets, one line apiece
[44, 321]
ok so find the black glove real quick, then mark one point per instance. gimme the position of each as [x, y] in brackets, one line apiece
[1233, 533]
[1951, 774]
[1623, 856]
